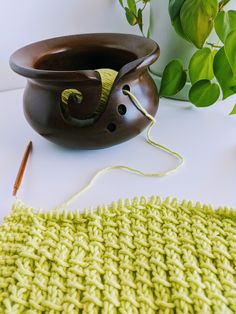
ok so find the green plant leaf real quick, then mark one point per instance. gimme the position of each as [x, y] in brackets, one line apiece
[225, 23]
[131, 18]
[230, 50]
[174, 8]
[178, 28]
[132, 6]
[140, 19]
[201, 65]
[197, 19]
[174, 12]
[204, 93]
[233, 110]
[173, 78]
[224, 74]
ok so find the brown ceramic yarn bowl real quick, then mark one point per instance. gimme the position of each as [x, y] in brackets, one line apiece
[69, 62]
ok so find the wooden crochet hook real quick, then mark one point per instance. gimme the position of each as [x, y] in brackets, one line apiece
[22, 168]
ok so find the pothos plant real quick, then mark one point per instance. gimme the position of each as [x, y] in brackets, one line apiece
[212, 68]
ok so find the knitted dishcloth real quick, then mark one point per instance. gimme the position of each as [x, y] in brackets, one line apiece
[139, 256]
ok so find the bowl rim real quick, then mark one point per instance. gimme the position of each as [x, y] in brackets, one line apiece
[23, 59]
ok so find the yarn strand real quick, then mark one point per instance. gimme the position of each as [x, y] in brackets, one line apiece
[127, 168]
[149, 140]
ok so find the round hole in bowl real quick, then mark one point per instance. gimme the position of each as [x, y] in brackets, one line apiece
[122, 109]
[111, 127]
[124, 88]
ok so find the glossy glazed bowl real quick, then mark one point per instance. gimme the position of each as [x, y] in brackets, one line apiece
[54, 65]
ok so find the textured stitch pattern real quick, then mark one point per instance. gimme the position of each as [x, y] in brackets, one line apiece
[139, 256]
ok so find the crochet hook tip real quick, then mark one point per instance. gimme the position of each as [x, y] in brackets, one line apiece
[22, 168]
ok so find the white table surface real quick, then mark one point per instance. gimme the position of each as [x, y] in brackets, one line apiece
[205, 137]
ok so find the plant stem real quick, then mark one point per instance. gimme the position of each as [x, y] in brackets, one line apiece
[214, 45]
[222, 4]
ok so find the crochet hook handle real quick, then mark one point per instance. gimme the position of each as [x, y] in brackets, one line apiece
[21, 171]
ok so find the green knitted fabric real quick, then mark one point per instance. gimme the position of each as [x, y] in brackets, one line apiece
[139, 256]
